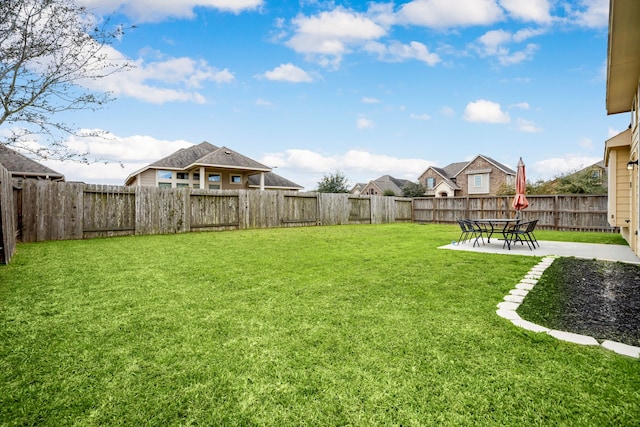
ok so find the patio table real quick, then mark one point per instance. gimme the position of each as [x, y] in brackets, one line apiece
[496, 225]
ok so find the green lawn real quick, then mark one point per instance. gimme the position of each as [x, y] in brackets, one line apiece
[347, 325]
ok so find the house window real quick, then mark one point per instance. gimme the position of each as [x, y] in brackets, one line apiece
[214, 186]
[196, 186]
[214, 177]
[477, 181]
[430, 183]
[165, 174]
[182, 175]
[196, 176]
[181, 185]
[236, 179]
[164, 184]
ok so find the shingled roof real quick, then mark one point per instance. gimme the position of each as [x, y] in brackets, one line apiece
[227, 158]
[21, 166]
[185, 156]
[273, 181]
[387, 182]
[205, 154]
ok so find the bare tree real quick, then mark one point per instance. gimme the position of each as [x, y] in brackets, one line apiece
[49, 51]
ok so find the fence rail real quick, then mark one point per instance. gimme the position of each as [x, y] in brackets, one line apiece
[44, 210]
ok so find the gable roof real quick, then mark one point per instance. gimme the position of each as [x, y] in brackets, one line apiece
[227, 158]
[449, 171]
[274, 181]
[21, 166]
[504, 168]
[387, 182]
[203, 154]
[184, 156]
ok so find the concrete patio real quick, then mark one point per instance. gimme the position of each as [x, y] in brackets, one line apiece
[604, 252]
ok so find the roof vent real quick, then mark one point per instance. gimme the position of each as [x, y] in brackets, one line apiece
[227, 152]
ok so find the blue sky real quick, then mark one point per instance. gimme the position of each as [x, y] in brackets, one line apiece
[367, 88]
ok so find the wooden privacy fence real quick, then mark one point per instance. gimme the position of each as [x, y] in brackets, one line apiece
[44, 210]
[7, 225]
[58, 210]
[567, 212]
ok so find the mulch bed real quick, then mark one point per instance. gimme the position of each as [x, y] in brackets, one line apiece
[602, 299]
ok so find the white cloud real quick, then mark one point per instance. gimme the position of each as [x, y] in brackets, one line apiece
[120, 156]
[483, 111]
[592, 13]
[420, 116]
[494, 43]
[307, 167]
[327, 36]
[367, 100]
[528, 10]
[527, 126]
[288, 73]
[521, 105]
[447, 13]
[364, 123]
[158, 10]
[148, 81]
[396, 52]
[555, 166]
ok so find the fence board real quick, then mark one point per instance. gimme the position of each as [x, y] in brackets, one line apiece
[214, 211]
[7, 217]
[300, 210]
[334, 209]
[359, 210]
[108, 210]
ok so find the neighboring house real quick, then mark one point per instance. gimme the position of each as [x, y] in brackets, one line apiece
[623, 92]
[209, 167]
[597, 172]
[384, 186]
[481, 176]
[22, 167]
[357, 189]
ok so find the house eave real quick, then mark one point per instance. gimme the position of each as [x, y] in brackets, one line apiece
[623, 55]
[227, 167]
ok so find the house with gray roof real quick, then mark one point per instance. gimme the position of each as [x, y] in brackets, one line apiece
[482, 176]
[207, 166]
[384, 185]
[22, 167]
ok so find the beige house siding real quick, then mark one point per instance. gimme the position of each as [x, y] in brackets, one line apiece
[622, 96]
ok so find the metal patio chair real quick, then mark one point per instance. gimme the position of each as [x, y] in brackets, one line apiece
[521, 232]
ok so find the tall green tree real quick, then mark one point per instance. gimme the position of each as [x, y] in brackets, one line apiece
[49, 50]
[335, 182]
[413, 189]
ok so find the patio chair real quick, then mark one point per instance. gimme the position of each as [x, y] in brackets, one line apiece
[475, 231]
[464, 235]
[521, 232]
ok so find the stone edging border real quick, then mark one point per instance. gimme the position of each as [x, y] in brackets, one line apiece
[507, 309]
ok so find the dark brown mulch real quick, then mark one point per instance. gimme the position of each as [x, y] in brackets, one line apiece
[602, 299]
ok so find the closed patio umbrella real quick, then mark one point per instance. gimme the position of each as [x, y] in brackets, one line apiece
[520, 201]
